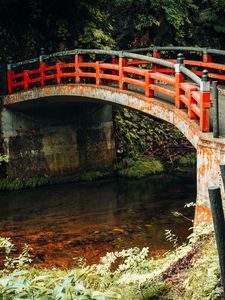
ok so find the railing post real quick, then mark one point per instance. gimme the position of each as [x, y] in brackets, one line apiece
[9, 76]
[148, 80]
[179, 77]
[219, 227]
[156, 54]
[25, 80]
[58, 73]
[215, 109]
[78, 60]
[42, 66]
[98, 72]
[207, 58]
[115, 61]
[205, 102]
[191, 100]
[122, 74]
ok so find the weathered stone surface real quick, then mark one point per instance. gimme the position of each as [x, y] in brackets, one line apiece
[57, 139]
[221, 111]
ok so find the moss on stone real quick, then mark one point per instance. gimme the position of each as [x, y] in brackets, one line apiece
[127, 168]
[84, 176]
[21, 183]
[139, 168]
[9, 184]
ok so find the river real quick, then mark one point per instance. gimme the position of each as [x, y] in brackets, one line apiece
[65, 222]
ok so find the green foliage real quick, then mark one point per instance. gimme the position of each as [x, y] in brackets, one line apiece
[128, 274]
[136, 133]
[20, 262]
[21, 183]
[6, 244]
[107, 24]
[171, 237]
[188, 160]
[139, 167]
[38, 285]
[18, 281]
[31, 182]
[4, 158]
[91, 175]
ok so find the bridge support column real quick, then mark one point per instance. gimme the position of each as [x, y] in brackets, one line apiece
[209, 158]
[57, 138]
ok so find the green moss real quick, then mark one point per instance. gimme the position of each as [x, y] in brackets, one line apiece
[31, 182]
[21, 183]
[139, 168]
[87, 176]
[188, 160]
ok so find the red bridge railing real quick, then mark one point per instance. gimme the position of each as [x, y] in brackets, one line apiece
[202, 58]
[124, 70]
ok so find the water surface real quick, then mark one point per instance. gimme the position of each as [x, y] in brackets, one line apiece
[65, 222]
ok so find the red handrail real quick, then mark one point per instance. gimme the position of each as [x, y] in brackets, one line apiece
[125, 73]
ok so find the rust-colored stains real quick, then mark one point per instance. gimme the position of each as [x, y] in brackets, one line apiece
[210, 151]
[202, 215]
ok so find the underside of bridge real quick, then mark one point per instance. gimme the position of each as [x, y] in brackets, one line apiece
[54, 136]
[43, 130]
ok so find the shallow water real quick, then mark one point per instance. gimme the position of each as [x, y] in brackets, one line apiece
[62, 223]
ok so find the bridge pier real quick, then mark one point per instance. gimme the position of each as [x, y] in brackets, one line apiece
[210, 154]
[57, 139]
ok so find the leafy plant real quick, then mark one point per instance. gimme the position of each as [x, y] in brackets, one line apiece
[128, 274]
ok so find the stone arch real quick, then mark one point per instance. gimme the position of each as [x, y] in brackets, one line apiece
[210, 152]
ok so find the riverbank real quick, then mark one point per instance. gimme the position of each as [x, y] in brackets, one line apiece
[130, 274]
[129, 167]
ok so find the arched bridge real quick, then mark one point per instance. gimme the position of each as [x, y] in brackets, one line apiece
[175, 90]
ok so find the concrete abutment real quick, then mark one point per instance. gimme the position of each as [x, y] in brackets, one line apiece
[58, 138]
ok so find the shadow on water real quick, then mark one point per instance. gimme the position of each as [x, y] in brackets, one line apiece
[64, 222]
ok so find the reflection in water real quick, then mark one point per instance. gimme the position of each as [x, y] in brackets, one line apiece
[87, 220]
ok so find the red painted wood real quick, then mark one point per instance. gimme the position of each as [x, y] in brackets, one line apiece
[9, 80]
[26, 78]
[58, 73]
[42, 72]
[78, 60]
[204, 111]
[109, 77]
[163, 78]
[122, 74]
[134, 72]
[148, 81]
[179, 78]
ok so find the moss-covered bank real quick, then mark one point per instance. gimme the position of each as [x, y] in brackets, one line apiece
[136, 168]
[128, 167]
